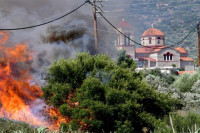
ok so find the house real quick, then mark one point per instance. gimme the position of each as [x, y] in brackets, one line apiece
[153, 53]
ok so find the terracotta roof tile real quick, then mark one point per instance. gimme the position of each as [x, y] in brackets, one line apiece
[183, 72]
[153, 32]
[152, 49]
[124, 24]
[181, 50]
[186, 59]
[146, 58]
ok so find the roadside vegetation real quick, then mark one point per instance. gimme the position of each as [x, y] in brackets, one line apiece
[93, 93]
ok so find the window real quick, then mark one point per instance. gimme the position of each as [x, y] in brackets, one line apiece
[125, 43]
[150, 40]
[165, 57]
[158, 40]
[168, 56]
[129, 42]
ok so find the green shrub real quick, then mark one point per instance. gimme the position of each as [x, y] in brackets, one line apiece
[106, 93]
[9, 126]
[183, 122]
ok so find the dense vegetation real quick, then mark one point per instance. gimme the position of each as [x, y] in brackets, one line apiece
[96, 94]
[184, 87]
[8, 126]
[174, 17]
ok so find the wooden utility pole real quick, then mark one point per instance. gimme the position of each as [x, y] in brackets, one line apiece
[95, 26]
[198, 43]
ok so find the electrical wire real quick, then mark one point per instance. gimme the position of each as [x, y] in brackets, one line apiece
[118, 30]
[38, 25]
[140, 43]
[180, 42]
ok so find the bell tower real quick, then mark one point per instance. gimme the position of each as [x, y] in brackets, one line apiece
[123, 43]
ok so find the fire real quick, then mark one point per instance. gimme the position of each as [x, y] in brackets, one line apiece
[18, 98]
[16, 94]
[56, 118]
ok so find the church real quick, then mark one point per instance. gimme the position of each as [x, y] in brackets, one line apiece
[153, 53]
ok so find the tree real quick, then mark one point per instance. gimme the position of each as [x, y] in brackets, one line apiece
[94, 93]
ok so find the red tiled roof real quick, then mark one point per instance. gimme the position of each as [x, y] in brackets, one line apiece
[186, 59]
[181, 50]
[151, 49]
[124, 24]
[146, 58]
[154, 49]
[153, 32]
[183, 72]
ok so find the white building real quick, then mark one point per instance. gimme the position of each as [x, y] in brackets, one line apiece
[154, 54]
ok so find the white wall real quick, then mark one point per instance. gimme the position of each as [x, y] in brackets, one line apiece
[154, 41]
[175, 60]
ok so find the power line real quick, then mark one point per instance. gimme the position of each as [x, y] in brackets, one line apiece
[180, 42]
[137, 42]
[33, 26]
[118, 30]
[162, 4]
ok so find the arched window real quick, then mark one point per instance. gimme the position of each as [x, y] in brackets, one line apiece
[150, 40]
[158, 38]
[168, 56]
[129, 42]
[165, 57]
[125, 41]
[171, 56]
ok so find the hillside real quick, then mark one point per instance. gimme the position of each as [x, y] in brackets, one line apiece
[175, 18]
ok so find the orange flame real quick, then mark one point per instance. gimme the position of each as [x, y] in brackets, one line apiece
[16, 93]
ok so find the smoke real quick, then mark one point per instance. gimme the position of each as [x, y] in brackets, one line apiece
[62, 39]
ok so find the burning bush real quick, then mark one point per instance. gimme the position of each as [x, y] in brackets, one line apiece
[94, 93]
[17, 95]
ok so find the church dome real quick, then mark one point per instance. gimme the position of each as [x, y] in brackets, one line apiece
[153, 32]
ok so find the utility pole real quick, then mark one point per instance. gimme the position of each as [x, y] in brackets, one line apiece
[198, 43]
[95, 26]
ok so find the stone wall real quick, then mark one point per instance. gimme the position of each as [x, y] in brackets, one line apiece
[175, 60]
[141, 55]
[187, 65]
[153, 64]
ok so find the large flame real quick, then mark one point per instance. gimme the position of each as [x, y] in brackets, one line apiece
[18, 98]
[16, 94]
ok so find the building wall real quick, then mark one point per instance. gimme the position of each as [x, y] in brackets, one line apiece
[121, 38]
[137, 55]
[154, 41]
[144, 64]
[187, 65]
[153, 64]
[130, 49]
[154, 56]
[123, 43]
[162, 63]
